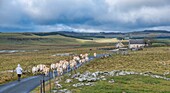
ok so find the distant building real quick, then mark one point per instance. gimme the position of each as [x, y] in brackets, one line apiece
[123, 51]
[137, 43]
[119, 44]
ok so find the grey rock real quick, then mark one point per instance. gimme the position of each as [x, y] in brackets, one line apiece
[94, 74]
[166, 73]
[112, 73]
[82, 79]
[103, 79]
[89, 84]
[56, 82]
[111, 81]
[122, 73]
[54, 91]
[78, 85]
[68, 81]
[58, 85]
[156, 76]
[102, 76]
[167, 79]
[74, 76]
[64, 91]
[68, 91]
[87, 73]
[105, 73]
[145, 74]
[91, 79]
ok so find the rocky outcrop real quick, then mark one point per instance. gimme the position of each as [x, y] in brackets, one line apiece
[99, 75]
[89, 78]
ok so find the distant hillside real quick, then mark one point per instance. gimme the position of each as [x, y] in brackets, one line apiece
[156, 31]
[161, 34]
[38, 39]
[65, 37]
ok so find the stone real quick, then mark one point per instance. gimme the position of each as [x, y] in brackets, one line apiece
[167, 79]
[68, 91]
[87, 73]
[112, 73]
[78, 85]
[97, 73]
[54, 91]
[89, 84]
[111, 81]
[64, 91]
[149, 73]
[104, 79]
[58, 85]
[166, 73]
[102, 76]
[81, 79]
[56, 82]
[91, 79]
[122, 73]
[145, 74]
[74, 76]
[94, 75]
[156, 76]
[105, 73]
[68, 81]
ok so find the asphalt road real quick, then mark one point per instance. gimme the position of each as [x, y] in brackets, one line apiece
[28, 84]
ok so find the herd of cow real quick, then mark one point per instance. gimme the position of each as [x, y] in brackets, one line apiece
[62, 66]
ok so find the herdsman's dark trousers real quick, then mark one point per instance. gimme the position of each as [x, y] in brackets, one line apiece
[19, 77]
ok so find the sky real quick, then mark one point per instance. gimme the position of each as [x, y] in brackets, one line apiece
[84, 15]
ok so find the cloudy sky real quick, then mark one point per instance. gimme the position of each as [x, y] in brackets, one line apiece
[84, 15]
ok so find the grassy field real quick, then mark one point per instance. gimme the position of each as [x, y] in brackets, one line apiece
[126, 84]
[30, 59]
[155, 60]
[45, 47]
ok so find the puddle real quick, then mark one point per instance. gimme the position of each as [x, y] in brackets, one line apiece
[16, 51]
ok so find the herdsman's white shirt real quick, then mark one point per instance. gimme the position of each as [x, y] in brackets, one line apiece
[19, 69]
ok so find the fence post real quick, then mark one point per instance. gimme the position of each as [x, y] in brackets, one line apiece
[43, 85]
[50, 80]
[40, 86]
[13, 73]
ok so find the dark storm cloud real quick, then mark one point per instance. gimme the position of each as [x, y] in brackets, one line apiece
[91, 15]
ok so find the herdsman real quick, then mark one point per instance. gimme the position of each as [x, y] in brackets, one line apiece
[19, 72]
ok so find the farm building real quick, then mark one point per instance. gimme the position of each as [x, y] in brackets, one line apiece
[123, 51]
[137, 43]
[119, 45]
